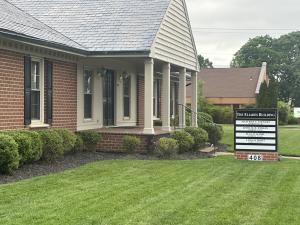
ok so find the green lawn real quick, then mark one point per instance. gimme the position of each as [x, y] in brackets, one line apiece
[217, 191]
[289, 139]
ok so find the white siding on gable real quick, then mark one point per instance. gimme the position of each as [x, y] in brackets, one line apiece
[174, 42]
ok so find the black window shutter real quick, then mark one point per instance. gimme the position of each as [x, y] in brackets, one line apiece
[27, 90]
[49, 85]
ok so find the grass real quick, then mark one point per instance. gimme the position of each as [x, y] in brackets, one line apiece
[219, 191]
[289, 139]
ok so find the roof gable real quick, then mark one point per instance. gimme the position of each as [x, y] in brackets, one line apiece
[230, 82]
[101, 25]
[174, 41]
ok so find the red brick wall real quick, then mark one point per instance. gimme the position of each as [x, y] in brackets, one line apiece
[11, 90]
[64, 95]
[140, 100]
[267, 156]
[114, 142]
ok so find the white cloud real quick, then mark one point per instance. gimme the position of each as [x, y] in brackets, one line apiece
[220, 45]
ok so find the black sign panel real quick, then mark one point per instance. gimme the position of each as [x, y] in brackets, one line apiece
[256, 130]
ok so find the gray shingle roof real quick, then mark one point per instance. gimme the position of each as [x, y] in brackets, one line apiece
[101, 25]
[15, 20]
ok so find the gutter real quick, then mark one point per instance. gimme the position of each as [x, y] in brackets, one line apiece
[71, 50]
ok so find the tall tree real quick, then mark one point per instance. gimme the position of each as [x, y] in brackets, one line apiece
[204, 62]
[282, 56]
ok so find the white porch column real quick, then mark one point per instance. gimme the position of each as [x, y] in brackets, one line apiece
[182, 97]
[165, 108]
[194, 98]
[148, 101]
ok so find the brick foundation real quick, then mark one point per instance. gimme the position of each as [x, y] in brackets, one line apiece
[267, 156]
[114, 142]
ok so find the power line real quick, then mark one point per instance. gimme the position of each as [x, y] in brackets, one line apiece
[245, 29]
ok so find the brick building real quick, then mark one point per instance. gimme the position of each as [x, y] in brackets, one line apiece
[231, 86]
[94, 64]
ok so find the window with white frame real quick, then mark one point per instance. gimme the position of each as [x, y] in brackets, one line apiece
[156, 98]
[126, 96]
[88, 94]
[173, 99]
[37, 90]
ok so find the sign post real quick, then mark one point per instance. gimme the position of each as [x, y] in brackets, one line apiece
[256, 134]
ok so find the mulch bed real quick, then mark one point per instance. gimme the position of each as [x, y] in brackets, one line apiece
[41, 168]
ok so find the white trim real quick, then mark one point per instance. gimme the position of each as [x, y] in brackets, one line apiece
[263, 73]
[40, 122]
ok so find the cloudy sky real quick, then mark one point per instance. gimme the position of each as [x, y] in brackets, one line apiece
[221, 27]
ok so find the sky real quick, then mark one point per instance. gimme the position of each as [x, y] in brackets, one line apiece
[221, 27]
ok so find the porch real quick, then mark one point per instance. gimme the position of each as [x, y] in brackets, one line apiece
[125, 95]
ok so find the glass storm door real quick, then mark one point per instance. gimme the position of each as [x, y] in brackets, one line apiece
[109, 98]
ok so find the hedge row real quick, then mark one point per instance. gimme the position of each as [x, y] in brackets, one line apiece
[23, 147]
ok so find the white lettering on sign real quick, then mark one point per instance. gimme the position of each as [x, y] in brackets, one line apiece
[255, 130]
[255, 141]
[270, 129]
[256, 147]
[256, 135]
[255, 157]
[255, 122]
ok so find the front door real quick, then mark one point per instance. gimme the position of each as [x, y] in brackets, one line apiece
[109, 98]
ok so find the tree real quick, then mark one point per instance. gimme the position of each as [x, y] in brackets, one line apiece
[204, 62]
[282, 56]
[267, 97]
[262, 97]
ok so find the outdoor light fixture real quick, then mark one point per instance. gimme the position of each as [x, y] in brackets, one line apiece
[101, 72]
[124, 75]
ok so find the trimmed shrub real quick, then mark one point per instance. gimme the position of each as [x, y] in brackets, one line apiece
[292, 120]
[24, 142]
[90, 139]
[53, 147]
[36, 145]
[79, 146]
[130, 143]
[204, 118]
[185, 141]
[221, 114]
[200, 136]
[166, 148]
[69, 139]
[9, 156]
[215, 132]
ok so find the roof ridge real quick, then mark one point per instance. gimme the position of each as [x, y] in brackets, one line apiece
[44, 24]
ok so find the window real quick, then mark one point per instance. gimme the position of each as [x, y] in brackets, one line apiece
[173, 99]
[88, 94]
[126, 94]
[156, 98]
[37, 88]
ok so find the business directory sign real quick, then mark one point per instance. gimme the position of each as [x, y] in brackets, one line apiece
[256, 130]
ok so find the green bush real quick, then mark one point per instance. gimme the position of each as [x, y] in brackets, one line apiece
[204, 118]
[185, 141]
[90, 139]
[283, 112]
[166, 148]
[24, 142]
[69, 139]
[53, 147]
[9, 156]
[36, 145]
[292, 120]
[215, 132]
[131, 143]
[79, 146]
[221, 114]
[200, 136]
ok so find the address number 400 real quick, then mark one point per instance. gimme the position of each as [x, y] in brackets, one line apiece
[255, 157]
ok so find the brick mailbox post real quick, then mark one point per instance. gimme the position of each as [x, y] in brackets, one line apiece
[256, 134]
